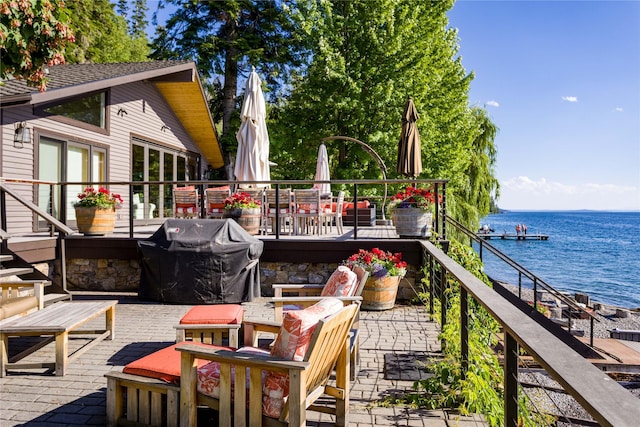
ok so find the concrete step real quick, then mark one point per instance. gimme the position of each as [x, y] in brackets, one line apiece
[8, 272]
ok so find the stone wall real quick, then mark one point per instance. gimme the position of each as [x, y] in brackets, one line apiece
[117, 275]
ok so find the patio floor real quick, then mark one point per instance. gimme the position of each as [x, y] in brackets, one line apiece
[391, 341]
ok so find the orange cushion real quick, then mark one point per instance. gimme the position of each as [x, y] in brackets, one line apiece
[361, 205]
[221, 314]
[185, 205]
[163, 364]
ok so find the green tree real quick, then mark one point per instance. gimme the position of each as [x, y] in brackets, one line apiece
[32, 36]
[368, 56]
[226, 37]
[102, 35]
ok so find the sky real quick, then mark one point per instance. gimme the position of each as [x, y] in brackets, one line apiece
[561, 81]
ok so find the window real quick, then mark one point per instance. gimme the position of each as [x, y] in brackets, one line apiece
[152, 162]
[89, 109]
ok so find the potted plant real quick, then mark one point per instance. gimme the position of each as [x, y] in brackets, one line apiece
[245, 210]
[410, 211]
[385, 269]
[96, 211]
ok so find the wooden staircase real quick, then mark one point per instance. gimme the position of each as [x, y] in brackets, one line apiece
[12, 267]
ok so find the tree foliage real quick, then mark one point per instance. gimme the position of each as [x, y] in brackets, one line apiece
[102, 35]
[367, 58]
[32, 35]
[225, 38]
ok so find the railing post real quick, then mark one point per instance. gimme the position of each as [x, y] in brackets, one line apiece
[443, 302]
[277, 218]
[520, 284]
[355, 211]
[510, 381]
[432, 283]
[436, 225]
[535, 293]
[444, 211]
[464, 331]
[131, 211]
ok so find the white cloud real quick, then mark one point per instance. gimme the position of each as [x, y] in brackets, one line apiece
[524, 193]
[570, 98]
[493, 103]
[619, 109]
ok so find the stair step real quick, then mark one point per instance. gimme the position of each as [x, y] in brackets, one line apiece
[5, 258]
[53, 298]
[7, 272]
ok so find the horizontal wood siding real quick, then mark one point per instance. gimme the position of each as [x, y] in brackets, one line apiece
[146, 113]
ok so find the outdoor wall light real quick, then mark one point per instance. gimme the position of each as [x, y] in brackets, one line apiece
[22, 134]
[122, 112]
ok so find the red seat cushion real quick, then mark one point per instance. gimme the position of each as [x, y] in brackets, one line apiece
[164, 364]
[220, 314]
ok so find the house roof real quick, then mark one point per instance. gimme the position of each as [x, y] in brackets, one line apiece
[177, 81]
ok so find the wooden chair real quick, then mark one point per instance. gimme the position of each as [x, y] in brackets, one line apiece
[215, 201]
[284, 209]
[308, 379]
[308, 211]
[21, 297]
[186, 202]
[304, 295]
[329, 217]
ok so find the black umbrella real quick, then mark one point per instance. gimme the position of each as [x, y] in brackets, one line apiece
[409, 156]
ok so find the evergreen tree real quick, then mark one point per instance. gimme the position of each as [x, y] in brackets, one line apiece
[226, 38]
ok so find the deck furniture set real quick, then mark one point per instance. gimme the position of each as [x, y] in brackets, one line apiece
[304, 211]
[308, 358]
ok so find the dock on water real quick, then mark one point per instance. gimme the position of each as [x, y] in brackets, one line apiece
[512, 236]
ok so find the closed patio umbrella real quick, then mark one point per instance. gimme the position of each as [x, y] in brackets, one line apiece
[252, 159]
[322, 170]
[409, 156]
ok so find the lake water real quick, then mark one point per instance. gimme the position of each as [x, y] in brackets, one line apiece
[597, 253]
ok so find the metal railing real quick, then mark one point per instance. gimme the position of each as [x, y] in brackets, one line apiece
[605, 400]
[537, 282]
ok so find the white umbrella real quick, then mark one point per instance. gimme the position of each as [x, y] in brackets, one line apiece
[252, 159]
[322, 170]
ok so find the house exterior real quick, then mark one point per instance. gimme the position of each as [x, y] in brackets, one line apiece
[114, 123]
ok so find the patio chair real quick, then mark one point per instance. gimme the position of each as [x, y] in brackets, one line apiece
[298, 296]
[215, 201]
[334, 215]
[308, 211]
[186, 202]
[251, 387]
[284, 209]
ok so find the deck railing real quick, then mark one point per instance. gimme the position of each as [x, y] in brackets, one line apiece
[605, 400]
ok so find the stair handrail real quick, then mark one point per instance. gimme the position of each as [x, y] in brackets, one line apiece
[57, 224]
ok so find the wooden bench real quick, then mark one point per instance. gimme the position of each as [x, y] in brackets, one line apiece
[59, 321]
[21, 297]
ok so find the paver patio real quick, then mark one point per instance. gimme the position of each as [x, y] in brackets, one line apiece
[389, 342]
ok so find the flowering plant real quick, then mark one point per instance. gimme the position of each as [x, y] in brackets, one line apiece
[241, 201]
[412, 197]
[100, 198]
[378, 263]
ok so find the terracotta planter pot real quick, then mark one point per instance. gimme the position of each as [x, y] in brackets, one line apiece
[412, 222]
[249, 219]
[95, 221]
[380, 293]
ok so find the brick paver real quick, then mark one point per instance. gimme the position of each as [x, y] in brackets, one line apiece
[397, 336]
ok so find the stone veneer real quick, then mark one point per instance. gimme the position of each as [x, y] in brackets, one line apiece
[124, 275]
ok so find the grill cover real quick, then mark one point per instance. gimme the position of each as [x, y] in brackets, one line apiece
[200, 261]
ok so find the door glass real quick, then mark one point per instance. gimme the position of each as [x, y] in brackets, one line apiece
[77, 171]
[49, 169]
[154, 175]
[168, 176]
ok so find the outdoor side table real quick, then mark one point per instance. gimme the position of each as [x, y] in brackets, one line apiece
[209, 324]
